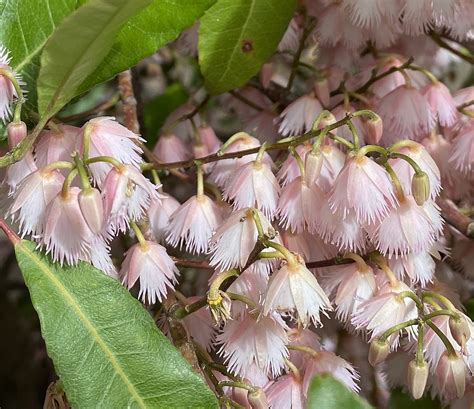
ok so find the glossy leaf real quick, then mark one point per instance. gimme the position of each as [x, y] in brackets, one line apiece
[325, 392]
[237, 36]
[25, 27]
[105, 347]
[158, 24]
[77, 47]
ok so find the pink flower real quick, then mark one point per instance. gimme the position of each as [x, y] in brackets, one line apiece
[293, 289]
[234, 240]
[419, 267]
[433, 346]
[16, 172]
[289, 171]
[298, 117]
[254, 185]
[109, 138]
[126, 194]
[200, 325]
[225, 169]
[298, 243]
[7, 90]
[92, 208]
[405, 113]
[171, 148]
[384, 311]
[159, 214]
[298, 206]
[426, 163]
[209, 138]
[391, 81]
[351, 286]
[406, 229]
[31, 199]
[462, 153]
[333, 162]
[67, 235]
[150, 263]
[194, 222]
[344, 232]
[364, 187]
[254, 340]
[325, 362]
[441, 102]
[451, 375]
[56, 144]
[305, 337]
[285, 393]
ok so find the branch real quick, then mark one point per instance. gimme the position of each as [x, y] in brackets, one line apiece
[129, 101]
[455, 218]
[11, 235]
[443, 44]
[231, 155]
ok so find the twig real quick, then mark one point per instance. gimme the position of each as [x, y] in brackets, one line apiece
[129, 101]
[11, 235]
[443, 44]
[455, 218]
[231, 155]
[246, 101]
[201, 264]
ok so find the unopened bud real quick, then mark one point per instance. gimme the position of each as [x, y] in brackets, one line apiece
[373, 129]
[417, 377]
[378, 351]
[312, 166]
[16, 132]
[327, 120]
[420, 187]
[257, 399]
[451, 376]
[92, 208]
[459, 329]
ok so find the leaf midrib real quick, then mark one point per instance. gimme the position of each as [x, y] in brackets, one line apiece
[72, 302]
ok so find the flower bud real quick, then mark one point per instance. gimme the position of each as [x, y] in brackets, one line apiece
[451, 376]
[16, 132]
[90, 202]
[420, 187]
[266, 74]
[321, 89]
[459, 329]
[313, 165]
[378, 351]
[373, 130]
[417, 377]
[257, 399]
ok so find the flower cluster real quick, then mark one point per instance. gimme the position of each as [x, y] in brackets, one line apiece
[323, 209]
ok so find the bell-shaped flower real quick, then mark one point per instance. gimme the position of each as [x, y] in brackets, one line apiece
[298, 117]
[441, 102]
[7, 89]
[285, 393]
[294, 290]
[325, 362]
[109, 138]
[159, 214]
[298, 205]
[32, 197]
[385, 310]
[254, 339]
[407, 228]
[234, 240]
[150, 263]
[254, 185]
[365, 187]
[57, 143]
[194, 223]
[67, 235]
[171, 148]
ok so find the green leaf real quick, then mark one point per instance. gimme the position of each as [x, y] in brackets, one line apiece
[469, 305]
[237, 36]
[158, 24]
[25, 26]
[156, 111]
[401, 400]
[105, 347]
[77, 47]
[325, 392]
